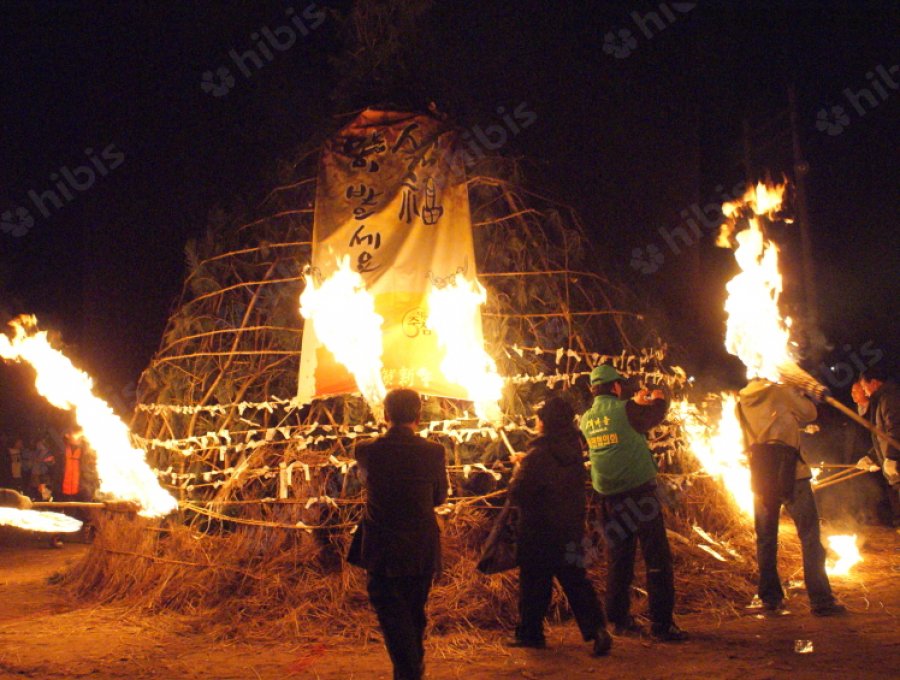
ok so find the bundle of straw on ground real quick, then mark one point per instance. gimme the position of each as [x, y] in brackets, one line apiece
[259, 581]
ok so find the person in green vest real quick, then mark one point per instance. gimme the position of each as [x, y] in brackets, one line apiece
[623, 473]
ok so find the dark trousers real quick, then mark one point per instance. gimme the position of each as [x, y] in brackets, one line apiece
[536, 590]
[399, 603]
[629, 518]
[893, 499]
[806, 518]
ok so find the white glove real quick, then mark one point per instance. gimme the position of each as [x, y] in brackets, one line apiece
[891, 472]
[865, 463]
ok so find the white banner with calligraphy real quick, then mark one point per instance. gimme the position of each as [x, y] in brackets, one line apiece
[392, 196]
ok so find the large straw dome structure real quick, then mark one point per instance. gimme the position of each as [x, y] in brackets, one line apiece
[216, 403]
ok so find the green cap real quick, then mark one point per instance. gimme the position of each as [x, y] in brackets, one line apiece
[605, 374]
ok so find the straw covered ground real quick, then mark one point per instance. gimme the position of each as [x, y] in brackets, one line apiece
[260, 580]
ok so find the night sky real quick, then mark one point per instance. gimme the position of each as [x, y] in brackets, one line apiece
[639, 117]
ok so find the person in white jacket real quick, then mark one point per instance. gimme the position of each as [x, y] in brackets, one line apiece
[771, 416]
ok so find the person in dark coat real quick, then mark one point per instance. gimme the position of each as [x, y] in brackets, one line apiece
[548, 487]
[398, 541]
[883, 411]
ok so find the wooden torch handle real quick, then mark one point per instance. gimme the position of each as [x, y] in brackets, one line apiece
[850, 413]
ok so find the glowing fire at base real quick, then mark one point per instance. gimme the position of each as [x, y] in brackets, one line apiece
[122, 469]
[38, 520]
[357, 345]
[847, 552]
[453, 315]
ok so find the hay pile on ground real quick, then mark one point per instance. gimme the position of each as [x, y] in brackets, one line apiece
[263, 581]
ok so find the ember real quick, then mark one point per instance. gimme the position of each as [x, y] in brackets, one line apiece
[847, 552]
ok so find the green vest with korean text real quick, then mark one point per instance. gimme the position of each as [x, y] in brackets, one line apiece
[620, 457]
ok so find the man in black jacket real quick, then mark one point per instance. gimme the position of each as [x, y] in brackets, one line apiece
[398, 542]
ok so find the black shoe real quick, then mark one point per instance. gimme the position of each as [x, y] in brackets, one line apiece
[540, 643]
[830, 610]
[602, 643]
[773, 606]
[670, 633]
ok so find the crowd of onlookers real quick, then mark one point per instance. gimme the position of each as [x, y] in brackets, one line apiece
[48, 466]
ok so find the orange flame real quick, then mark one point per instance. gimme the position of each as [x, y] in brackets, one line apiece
[357, 345]
[756, 332]
[719, 448]
[453, 316]
[123, 470]
[847, 552]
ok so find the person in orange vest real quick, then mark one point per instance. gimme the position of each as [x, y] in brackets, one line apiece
[74, 450]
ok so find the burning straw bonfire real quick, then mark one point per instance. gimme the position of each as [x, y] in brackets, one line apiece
[263, 477]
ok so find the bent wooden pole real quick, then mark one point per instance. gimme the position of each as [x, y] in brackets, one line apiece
[113, 506]
[849, 412]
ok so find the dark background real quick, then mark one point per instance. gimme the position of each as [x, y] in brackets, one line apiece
[629, 142]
